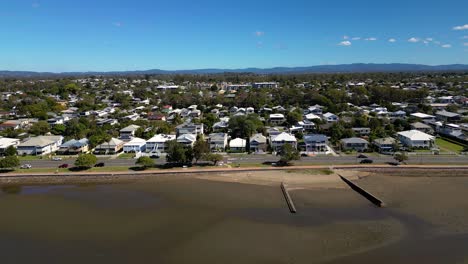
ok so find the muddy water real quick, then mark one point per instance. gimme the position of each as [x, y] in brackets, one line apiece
[183, 220]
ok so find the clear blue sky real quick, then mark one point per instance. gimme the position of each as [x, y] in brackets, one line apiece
[104, 35]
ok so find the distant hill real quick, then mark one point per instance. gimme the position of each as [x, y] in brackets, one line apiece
[342, 68]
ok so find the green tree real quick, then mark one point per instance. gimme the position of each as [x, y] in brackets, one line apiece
[40, 128]
[9, 162]
[86, 161]
[176, 152]
[400, 157]
[58, 129]
[288, 153]
[10, 151]
[145, 162]
[200, 148]
[215, 158]
[293, 117]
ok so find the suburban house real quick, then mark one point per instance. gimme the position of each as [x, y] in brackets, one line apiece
[112, 147]
[452, 130]
[218, 142]
[306, 125]
[385, 145]
[416, 139]
[356, 144]
[361, 131]
[277, 119]
[11, 124]
[189, 128]
[158, 143]
[187, 140]
[315, 143]
[269, 85]
[7, 142]
[74, 147]
[136, 145]
[128, 133]
[330, 118]
[446, 116]
[258, 143]
[311, 117]
[41, 145]
[422, 127]
[237, 145]
[424, 117]
[280, 140]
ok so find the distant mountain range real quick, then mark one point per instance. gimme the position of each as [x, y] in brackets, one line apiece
[342, 68]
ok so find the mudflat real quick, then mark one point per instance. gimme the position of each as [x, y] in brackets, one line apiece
[238, 218]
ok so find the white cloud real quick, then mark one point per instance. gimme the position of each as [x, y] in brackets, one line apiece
[464, 27]
[465, 44]
[259, 33]
[464, 37]
[371, 39]
[429, 39]
[446, 46]
[345, 43]
[345, 37]
[117, 24]
[426, 42]
[413, 40]
[392, 40]
[356, 38]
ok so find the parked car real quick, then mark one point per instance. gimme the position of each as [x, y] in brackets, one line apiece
[362, 156]
[26, 166]
[393, 163]
[57, 158]
[366, 161]
[100, 164]
[63, 166]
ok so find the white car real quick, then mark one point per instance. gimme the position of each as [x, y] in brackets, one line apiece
[57, 158]
[26, 166]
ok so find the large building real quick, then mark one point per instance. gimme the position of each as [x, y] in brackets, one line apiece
[416, 139]
[41, 145]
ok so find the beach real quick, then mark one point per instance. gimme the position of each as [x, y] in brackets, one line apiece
[238, 217]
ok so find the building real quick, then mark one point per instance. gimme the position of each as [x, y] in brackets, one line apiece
[424, 117]
[446, 116]
[136, 145]
[385, 145]
[361, 131]
[237, 145]
[128, 133]
[269, 85]
[422, 127]
[218, 142]
[277, 119]
[189, 128]
[41, 145]
[416, 139]
[7, 142]
[74, 147]
[356, 144]
[187, 140]
[258, 143]
[316, 143]
[11, 124]
[158, 143]
[280, 140]
[112, 147]
[330, 117]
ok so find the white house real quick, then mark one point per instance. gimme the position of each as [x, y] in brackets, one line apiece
[7, 142]
[280, 140]
[135, 145]
[424, 117]
[187, 139]
[158, 143]
[218, 141]
[237, 144]
[416, 139]
[128, 132]
[41, 145]
[277, 119]
[330, 117]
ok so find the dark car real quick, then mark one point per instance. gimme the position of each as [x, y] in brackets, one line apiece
[63, 166]
[393, 163]
[362, 156]
[100, 164]
[366, 161]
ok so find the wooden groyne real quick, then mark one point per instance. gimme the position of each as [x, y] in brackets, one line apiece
[372, 198]
[289, 201]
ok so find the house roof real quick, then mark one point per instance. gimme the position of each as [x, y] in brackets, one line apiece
[447, 114]
[258, 138]
[40, 141]
[422, 115]
[218, 136]
[354, 140]
[419, 125]
[130, 128]
[237, 143]
[6, 142]
[114, 142]
[384, 141]
[76, 143]
[315, 137]
[284, 137]
[416, 135]
[161, 138]
[187, 138]
[135, 141]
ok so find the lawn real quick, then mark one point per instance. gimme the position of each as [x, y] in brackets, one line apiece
[447, 146]
[126, 156]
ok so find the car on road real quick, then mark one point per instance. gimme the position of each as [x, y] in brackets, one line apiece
[393, 163]
[362, 156]
[100, 164]
[366, 161]
[63, 166]
[56, 158]
[26, 166]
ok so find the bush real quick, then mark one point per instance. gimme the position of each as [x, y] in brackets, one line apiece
[86, 161]
[145, 162]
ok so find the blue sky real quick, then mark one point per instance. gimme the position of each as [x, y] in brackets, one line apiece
[105, 35]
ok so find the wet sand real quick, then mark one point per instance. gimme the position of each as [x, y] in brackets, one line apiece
[238, 218]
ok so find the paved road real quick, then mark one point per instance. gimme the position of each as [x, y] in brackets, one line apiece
[251, 159]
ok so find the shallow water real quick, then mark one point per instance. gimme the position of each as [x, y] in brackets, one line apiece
[183, 220]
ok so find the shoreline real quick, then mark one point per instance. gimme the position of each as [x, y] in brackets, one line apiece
[297, 177]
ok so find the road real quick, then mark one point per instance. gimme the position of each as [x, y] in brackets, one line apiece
[257, 159]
